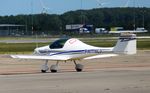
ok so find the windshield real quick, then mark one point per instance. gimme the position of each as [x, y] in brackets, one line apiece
[58, 44]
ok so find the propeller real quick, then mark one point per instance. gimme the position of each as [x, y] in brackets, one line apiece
[36, 51]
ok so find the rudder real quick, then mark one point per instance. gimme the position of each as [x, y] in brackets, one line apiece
[126, 44]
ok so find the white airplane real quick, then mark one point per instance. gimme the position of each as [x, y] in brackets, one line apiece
[128, 31]
[72, 49]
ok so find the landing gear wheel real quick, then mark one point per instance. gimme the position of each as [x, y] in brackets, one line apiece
[44, 69]
[79, 67]
[54, 68]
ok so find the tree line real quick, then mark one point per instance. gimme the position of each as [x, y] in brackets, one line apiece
[99, 17]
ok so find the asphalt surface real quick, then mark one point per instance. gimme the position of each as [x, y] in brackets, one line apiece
[102, 81]
[122, 74]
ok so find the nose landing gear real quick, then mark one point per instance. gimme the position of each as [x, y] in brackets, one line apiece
[54, 68]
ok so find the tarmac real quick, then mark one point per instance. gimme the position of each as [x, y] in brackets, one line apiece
[122, 74]
[110, 81]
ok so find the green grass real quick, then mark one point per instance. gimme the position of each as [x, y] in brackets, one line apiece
[143, 44]
[14, 48]
[18, 47]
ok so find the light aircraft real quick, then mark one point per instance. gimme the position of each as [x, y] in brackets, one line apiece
[128, 31]
[72, 50]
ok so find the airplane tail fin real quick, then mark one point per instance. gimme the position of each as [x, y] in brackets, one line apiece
[126, 44]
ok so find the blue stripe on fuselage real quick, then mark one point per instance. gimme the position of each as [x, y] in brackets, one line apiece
[51, 53]
[92, 51]
[69, 52]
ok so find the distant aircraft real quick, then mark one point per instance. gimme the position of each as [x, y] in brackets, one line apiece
[129, 31]
[72, 50]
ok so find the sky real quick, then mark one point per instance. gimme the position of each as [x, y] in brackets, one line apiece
[15, 7]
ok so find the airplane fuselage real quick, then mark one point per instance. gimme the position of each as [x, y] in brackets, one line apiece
[75, 54]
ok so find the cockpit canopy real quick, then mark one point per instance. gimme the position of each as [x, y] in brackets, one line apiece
[58, 44]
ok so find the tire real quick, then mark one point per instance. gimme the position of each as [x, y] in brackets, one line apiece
[79, 67]
[54, 68]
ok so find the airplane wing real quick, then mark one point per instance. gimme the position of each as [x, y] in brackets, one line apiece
[54, 58]
[58, 57]
[101, 56]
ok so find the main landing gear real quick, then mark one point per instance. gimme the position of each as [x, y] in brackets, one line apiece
[78, 67]
[54, 68]
[45, 67]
